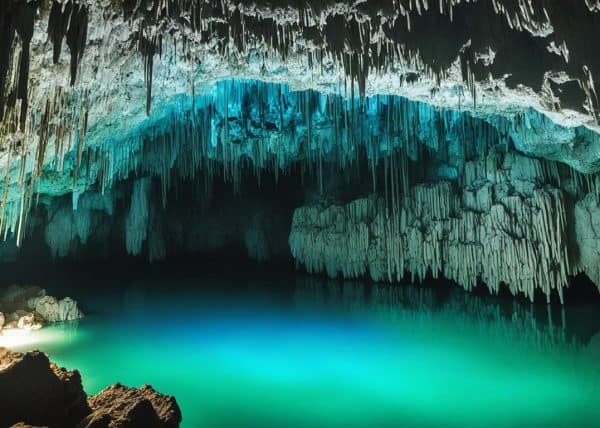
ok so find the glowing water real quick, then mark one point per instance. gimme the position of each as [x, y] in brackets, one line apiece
[330, 355]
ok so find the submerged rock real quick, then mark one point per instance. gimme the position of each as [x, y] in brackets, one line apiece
[36, 392]
[121, 406]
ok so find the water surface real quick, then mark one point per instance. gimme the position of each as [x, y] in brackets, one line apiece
[295, 351]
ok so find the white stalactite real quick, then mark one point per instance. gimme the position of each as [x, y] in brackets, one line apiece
[137, 220]
[508, 229]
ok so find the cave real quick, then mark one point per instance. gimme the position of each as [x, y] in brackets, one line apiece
[249, 213]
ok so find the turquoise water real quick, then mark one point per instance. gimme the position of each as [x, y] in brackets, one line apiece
[302, 352]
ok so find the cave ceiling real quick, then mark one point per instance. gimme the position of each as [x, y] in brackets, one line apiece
[73, 73]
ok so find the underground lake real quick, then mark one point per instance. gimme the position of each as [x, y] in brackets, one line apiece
[282, 349]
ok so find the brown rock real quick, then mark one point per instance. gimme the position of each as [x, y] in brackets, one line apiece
[35, 392]
[119, 406]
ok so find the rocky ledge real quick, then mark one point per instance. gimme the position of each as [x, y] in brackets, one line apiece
[36, 392]
[29, 308]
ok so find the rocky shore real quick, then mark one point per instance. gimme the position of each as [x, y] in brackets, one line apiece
[35, 392]
[30, 308]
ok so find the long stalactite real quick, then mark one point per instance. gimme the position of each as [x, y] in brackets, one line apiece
[503, 224]
[447, 181]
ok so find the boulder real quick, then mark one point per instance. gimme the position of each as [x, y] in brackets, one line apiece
[119, 406]
[17, 302]
[47, 307]
[34, 391]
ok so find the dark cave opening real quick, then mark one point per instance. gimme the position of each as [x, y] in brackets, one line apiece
[207, 223]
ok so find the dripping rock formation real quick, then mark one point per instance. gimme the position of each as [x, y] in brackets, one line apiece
[29, 308]
[71, 70]
[34, 391]
[459, 195]
[151, 128]
[502, 224]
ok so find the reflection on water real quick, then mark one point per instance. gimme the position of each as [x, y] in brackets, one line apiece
[505, 321]
[300, 351]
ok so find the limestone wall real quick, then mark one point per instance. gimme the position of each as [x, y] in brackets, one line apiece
[501, 223]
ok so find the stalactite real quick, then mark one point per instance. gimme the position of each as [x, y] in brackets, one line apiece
[149, 46]
[70, 20]
[16, 31]
[59, 231]
[268, 127]
[137, 221]
[495, 237]
[477, 190]
[362, 43]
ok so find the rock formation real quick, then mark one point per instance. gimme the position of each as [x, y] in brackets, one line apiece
[500, 224]
[28, 308]
[587, 235]
[35, 392]
[120, 406]
[481, 50]
[53, 310]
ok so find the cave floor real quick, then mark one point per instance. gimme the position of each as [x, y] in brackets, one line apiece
[290, 350]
